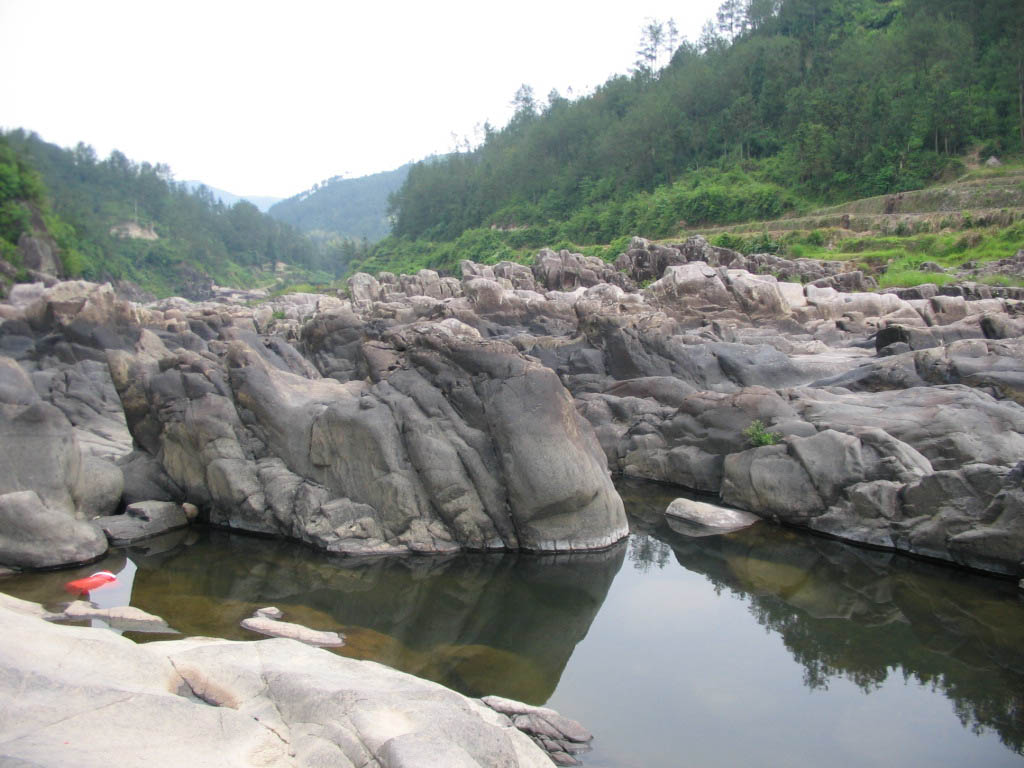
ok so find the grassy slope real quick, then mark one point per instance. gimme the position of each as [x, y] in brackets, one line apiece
[979, 217]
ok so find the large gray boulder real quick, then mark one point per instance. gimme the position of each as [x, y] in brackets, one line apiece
[453, 442]
[40, 452]
[33, 535]
[46, 485]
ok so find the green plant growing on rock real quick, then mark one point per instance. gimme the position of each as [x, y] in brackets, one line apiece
[757, 433]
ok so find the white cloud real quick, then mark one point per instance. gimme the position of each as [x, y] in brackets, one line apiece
[269, 97]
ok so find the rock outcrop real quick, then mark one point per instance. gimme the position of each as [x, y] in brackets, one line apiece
[426, 414]
[83, 696]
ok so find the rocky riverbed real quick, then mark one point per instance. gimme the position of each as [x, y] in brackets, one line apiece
[431, 414]
[89, 697]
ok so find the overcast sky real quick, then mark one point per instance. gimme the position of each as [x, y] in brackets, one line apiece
[268, 98]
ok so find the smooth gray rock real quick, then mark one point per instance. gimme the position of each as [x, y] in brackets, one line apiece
[455, 442]
[40, 452]
[266, 625]
[710, 516]
[143, 520]
[33, 535]
[100, 487]
[122, 617]
[146, 480]
[210, 702]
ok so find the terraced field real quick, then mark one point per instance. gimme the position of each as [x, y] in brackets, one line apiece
[972, 228]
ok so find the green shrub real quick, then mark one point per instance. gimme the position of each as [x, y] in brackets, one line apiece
[815, 237]
[759, 435]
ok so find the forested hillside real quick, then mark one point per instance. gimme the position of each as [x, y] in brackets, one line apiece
[116, 219]
[780, 105]
[23, 207]
[344, 208]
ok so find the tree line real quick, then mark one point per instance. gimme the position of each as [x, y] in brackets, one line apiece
[819, 100]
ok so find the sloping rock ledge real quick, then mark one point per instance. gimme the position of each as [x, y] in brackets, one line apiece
[89, 697]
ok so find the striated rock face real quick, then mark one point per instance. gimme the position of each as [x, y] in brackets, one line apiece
[46, 486]
[216, 702]
[450, 442]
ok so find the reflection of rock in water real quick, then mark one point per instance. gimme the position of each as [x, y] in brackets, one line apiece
[483, 624]
[858, 613]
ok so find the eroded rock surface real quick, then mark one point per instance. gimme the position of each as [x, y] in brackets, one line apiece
[429, 414]
[215, 702]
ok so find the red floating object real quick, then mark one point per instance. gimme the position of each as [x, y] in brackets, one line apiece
[89, 583]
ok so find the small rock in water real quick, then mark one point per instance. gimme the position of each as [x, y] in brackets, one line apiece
[266, 622]
[709, 518]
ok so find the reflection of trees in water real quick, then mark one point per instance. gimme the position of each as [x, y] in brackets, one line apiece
[847, 653]
[983, 680]
[856, 614]
[647, 551]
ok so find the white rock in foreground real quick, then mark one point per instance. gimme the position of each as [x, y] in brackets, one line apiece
[88, 697]
[710, 516]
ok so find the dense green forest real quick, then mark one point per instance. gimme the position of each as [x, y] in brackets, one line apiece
[22, 200]
[354, 209]
[181, 239]
[779, 106]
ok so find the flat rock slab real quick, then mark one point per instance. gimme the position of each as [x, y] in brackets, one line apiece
[124, 617]
[265, 622]
[703, 519]
[143, 520]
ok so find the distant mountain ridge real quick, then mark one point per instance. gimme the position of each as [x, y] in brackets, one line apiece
[349, 208]
[262, 202]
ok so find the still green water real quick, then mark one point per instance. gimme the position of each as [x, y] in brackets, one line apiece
[766, 646]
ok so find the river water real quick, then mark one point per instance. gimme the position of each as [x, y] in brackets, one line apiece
[766, 646]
